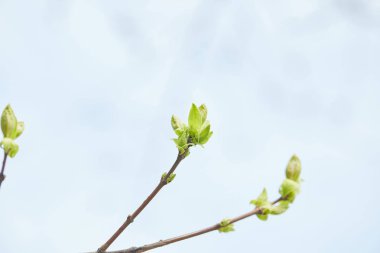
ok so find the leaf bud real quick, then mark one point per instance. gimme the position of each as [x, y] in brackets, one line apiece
[9, 146]
[289, 189]
[293, 170]
[8, 122]
[178, 126]
[226, 226]
[203, 112]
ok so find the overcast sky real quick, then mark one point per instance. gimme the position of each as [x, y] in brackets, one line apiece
[96, 83]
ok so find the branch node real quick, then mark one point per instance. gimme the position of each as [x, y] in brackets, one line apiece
[130, 218]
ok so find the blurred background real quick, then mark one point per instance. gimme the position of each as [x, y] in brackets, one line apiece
[96, 83]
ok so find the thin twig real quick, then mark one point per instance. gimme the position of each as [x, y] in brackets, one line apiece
[132, 216]
[162, 243]
[2, 176]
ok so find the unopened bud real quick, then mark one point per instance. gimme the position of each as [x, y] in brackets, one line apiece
[178, 126]
[203, 111]
[8, 122]
[293, 170]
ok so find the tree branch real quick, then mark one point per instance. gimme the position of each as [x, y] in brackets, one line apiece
[162, 243]
[132, 216]
[2, 176]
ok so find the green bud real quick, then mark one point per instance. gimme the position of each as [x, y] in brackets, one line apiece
[169, 179]
[178, 126]
[293, 170]
[181, 142]
[289, 189]
[226, 226]
[8, 122]
[9, 146]
[203, 111]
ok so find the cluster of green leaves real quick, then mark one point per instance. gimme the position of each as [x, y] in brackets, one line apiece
[226, 226]
[11, 129]
[288, 190]
[197, 132]
[267, 207]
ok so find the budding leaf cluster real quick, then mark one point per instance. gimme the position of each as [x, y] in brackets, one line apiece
[264, 205]
[169, 179]
[290, 187]
[288, 190]
[226, 226]
[197, 132]
[11, 129]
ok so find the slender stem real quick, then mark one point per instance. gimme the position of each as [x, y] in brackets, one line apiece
[2, 176]
[132, 216]
[189, 235]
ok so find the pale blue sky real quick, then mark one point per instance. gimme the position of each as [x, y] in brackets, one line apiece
[96, 83]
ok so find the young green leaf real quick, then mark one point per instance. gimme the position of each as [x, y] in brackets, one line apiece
[280, 208]
[204, 135]
[181, 142]
[205, 140]
[262, 217]
[195, 120]
[203, 111]
[20, 129]
[266, 208]
[264, 205]
[261, 200]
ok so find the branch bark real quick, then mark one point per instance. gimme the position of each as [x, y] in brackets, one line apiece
[165, 242]
[132, 216]
[2, 176]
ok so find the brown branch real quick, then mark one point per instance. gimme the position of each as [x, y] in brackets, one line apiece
[162, 243]
[132, 216]
[2, 176]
